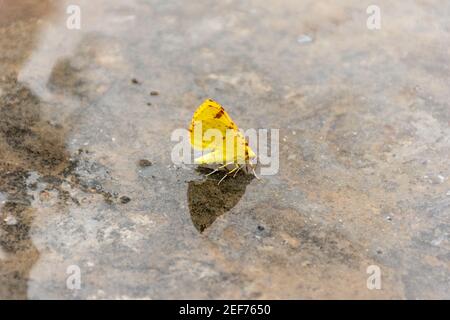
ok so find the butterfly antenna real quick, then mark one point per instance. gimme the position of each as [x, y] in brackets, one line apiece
[254, 173]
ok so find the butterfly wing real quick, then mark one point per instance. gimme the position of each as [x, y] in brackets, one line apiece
[210, 115]
[212, 157]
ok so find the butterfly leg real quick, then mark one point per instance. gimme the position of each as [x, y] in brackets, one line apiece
[253, 170]
[254, 173]
[234, 175]
[229, 173]
[217, 169]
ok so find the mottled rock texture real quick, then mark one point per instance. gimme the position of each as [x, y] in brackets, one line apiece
[364, 150]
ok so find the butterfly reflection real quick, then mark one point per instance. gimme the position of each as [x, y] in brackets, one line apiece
[208, 200]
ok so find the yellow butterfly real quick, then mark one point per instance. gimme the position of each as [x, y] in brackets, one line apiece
[212, 129]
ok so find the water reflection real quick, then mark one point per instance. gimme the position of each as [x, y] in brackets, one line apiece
[208, 200]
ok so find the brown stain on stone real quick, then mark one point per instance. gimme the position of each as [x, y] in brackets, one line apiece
[27, 143]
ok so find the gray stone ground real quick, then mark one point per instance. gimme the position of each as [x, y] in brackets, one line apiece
[364, 149]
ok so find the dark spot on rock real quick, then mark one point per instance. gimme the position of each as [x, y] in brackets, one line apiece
[154, 93]
[51, 179]
[260, 228]
[33, 186]
[149, 104]
[134, 81]
[124, 199]
[143, 163]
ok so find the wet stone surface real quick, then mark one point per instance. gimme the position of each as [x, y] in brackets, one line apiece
[86, 176]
